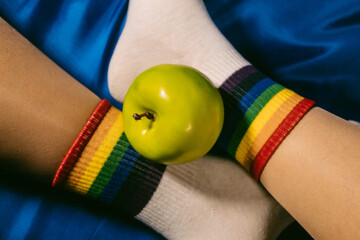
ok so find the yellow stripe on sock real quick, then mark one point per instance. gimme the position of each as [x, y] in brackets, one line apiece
[272, 124]
[257, 125]
[100, 156]
[92, 146]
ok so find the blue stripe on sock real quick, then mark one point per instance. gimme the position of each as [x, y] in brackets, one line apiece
[234, 116]
[250, 97]
[121, 173]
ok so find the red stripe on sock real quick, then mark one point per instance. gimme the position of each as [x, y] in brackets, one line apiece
[278, 136]
[80, 142]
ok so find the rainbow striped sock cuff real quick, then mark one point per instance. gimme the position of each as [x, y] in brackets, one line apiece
[259, 114]
[110, 170]
[80, 143]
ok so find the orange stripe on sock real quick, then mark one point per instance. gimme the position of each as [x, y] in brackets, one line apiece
[258, 124]
[272, 124]
[92, 146]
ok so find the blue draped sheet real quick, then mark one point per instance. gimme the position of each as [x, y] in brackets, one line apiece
[312, 47]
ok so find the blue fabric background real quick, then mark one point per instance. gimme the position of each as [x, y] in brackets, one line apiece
[311, 47]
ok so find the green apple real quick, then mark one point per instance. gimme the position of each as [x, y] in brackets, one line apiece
[172, 114]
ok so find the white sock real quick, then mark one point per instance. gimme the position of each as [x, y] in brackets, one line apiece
[173, 32]
[210, 198]
[213, 198]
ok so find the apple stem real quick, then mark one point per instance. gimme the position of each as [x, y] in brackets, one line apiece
[149, 116]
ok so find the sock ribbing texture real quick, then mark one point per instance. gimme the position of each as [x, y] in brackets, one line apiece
[170, 32]
[110, 170]
[181, 32]
[259, 114]
[209, 198]
[181, 202]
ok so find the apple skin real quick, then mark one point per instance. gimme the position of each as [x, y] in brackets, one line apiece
[188, 111]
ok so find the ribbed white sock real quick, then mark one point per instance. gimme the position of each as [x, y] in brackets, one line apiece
[213, 198]
[173, 32]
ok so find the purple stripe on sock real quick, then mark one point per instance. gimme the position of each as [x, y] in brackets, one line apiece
[238, 76]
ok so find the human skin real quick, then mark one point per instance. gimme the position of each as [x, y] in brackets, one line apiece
[42, 108]
[314, 173]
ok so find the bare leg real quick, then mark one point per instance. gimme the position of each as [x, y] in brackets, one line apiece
[314, 174]
[42, 109]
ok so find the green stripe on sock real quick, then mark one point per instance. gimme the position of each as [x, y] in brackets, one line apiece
[107, 171]
[250, 115]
